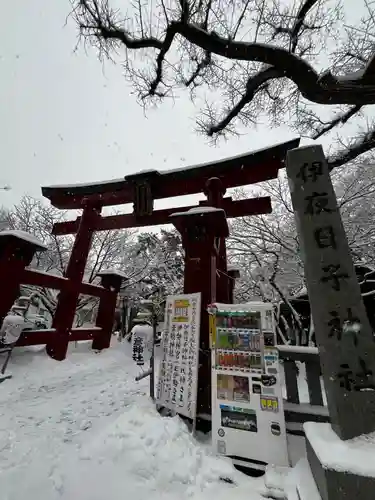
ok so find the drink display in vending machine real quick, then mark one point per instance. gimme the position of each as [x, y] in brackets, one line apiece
[248, 422]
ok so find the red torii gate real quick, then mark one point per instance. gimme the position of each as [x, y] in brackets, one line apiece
[205, 251]
[143, 188]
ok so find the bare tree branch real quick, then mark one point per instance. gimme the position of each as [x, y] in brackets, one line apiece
[306, 6]
[253, 85]
[249, 52]
[340, 119]
[363, 144]
[324, 89]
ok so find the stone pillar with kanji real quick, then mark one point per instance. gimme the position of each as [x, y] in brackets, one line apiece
[343, 333]
[201, 229]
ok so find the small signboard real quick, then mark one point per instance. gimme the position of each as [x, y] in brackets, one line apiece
[181, 311]
[142, 343]
[247, 408]
[178, 373]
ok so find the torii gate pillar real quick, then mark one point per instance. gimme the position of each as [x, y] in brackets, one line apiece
[215, 191]
[201, 230]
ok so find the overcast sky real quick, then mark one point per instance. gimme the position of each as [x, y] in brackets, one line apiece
[64, 120]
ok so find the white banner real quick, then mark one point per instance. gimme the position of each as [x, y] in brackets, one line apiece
[178, 374]
[142, 343]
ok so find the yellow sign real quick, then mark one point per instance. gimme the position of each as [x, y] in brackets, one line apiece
[181, 311]
[269, 404]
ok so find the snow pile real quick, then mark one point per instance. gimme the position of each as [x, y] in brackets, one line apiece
[85, 429]
[146, 456]
[112, 272]
[300, 483]
[201, 210]
[296, 483]
[355, 455]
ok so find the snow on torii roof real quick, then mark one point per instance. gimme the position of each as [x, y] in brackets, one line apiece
[249, 168]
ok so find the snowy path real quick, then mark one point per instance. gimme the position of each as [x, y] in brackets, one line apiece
[85, 429]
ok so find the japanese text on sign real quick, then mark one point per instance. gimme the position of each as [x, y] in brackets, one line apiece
[177, 387]
[181, 311]
[317, 203]
[334, 275]
[360, 380]
[142, 343]
[310, 171]
[325, 237]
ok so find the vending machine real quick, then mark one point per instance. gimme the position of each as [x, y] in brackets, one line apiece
[248, 422]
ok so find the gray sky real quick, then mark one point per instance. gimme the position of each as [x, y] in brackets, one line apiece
[65, 120]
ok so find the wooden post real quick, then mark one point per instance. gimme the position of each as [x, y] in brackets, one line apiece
[215, 192]
[233, 274]
[112, 281]
[17, 250]
[124, 316]
[343, 332]
[152, 360]
[200, 230]
[68, 297]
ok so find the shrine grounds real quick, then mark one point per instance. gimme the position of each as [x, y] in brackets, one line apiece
[83, 428]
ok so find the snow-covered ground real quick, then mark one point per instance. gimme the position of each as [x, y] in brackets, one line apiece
[85, 429]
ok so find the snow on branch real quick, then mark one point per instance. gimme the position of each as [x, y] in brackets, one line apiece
[98, 20]
[246, 51]
[362, 144]
[340, 118]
